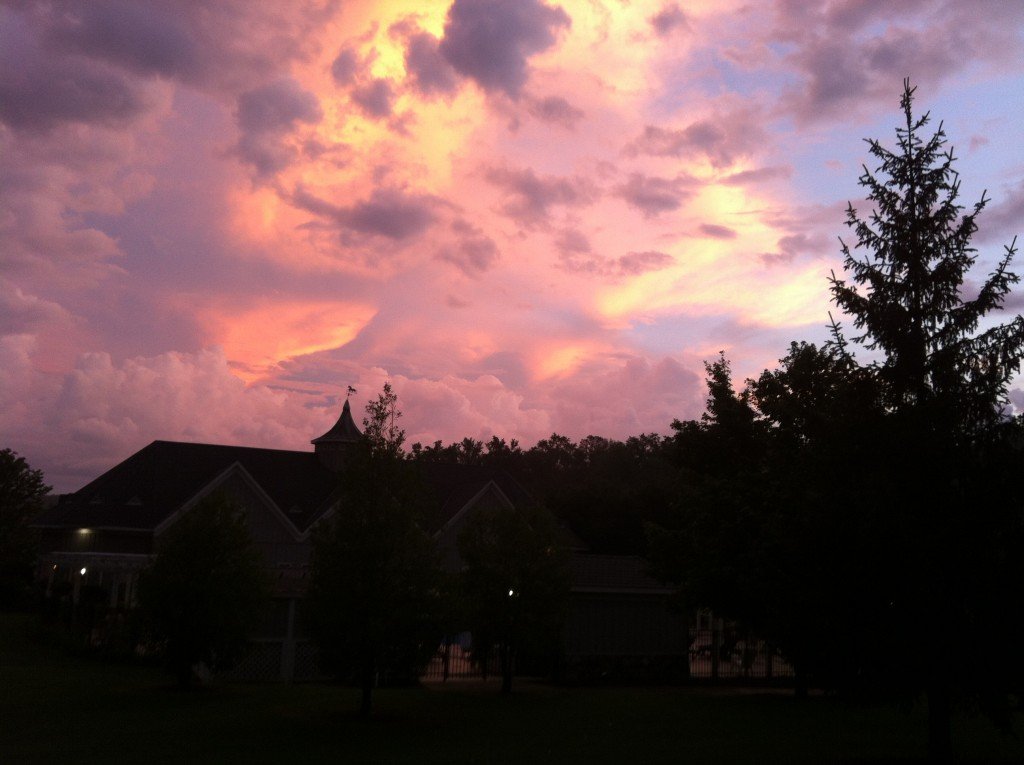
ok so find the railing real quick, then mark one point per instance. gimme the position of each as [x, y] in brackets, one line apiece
[717, 654]
[455, 661]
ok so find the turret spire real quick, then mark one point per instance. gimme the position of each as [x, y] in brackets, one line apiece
[331, 446]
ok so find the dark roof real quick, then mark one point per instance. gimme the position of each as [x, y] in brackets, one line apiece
[149, 486]
[144, 490]
[614, 573]
[344, 430]
[453, 485]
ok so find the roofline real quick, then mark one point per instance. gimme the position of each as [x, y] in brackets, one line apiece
[224, 446]
[90, 528]
[87, 554]
[238, 468]
[622, 590]
[502, 496]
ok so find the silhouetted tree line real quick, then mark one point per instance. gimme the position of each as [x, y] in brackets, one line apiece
[380, 601]
[864, 515]
[21, 498]
[604, 490]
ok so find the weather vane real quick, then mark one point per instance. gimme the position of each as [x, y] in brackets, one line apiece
[351, 390]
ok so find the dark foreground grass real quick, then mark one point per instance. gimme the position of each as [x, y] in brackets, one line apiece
[56, 708]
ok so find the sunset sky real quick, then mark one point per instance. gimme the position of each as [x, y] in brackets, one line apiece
[530, 217]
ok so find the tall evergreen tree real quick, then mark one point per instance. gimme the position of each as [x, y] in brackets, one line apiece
[912, 257]
[943, 368]
[867, 517]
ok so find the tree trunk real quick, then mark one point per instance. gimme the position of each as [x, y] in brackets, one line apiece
[799, 679]
[184, 675]
[366, 687]
[506, 668]
[940, 726]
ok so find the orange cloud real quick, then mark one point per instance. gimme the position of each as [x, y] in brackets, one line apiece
[257, 340]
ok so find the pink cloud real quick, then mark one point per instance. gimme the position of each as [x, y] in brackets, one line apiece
[106, 410]
[529, 197]
[722, 139]
[473, 252]
[653, 196]
[389, 212]
[307, 195]
[556, 111]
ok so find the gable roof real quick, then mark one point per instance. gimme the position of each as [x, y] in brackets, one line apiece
[144, 490]
[453, 485]
[614, 574]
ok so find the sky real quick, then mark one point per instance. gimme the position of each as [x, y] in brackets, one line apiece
[530, 217]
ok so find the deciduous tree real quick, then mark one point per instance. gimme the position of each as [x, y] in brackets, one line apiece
[205, 590]
[376, 588]
[21, 495]
[515, 581]
[865, 515]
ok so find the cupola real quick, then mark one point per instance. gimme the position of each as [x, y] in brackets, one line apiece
[332, 446]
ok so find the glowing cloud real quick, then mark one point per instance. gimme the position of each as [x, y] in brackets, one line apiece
[256, 341]
[530, 216]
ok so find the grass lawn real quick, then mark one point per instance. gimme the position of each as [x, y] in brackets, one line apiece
[56, 708]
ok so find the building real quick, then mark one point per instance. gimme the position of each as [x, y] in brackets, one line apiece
[98, 539]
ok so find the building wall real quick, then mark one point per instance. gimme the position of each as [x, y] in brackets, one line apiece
[448, 538]
[612, 624]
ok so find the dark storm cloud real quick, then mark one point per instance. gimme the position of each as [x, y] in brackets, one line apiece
[39, 90]
[490, 41]
[22, 313]
[634, 263]
[222, 47]
[1003, 218]
[391, 213]
[276, 106]
[572, 241]
[431, 73]
[529, 197]
[1014, 302]
[721, 140]
[668, 19]
[141, 37]
[793, 245]
[509, 367]
[850, 53]
[715, 231]
[1017, 399]
[265, 115]
[575, 254]
[555, 110]
[758, 175]
[653, 196]
[344, 66]
[374, 97]
[473, 253]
